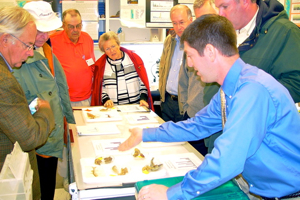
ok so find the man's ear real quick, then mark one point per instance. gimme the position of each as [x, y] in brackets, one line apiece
[4, 39]
[210, 52]
[245, 3]
[64, 26]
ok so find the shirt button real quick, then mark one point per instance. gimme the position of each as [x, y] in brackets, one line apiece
[50, 93]
[41, 75]
[230, 96]
[251, 185]
[198, 192]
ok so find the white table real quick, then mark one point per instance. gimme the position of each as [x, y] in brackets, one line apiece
[82, 148]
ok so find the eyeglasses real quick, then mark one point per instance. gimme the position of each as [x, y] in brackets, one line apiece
[181, 23]
[78, 26]
[109, 48]
[28, 47]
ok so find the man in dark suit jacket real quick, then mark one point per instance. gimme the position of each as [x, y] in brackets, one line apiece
[17, 36]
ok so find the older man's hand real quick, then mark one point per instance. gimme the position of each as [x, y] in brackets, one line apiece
[153, 192]
[42, 104]
[135, 138]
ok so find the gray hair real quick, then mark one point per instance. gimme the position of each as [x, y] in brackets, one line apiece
[110, 35]
[182, 6]
[199, 3]
[211, 29]
[13, 20]
[72, 12]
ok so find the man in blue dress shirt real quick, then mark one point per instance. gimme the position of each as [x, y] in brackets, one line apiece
[260, 138]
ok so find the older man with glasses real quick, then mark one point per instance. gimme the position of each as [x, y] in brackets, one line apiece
[17, 36]
[42, 76]
[75, 51]
[170, 63]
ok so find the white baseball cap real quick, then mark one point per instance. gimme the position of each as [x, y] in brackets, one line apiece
[46, 19]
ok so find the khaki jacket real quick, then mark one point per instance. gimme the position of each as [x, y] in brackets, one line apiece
[165, 64]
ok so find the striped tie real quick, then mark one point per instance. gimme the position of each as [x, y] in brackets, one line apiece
[239, 179]
[223, 107]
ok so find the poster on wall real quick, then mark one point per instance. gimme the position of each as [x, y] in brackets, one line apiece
[133, 13]
[295, 12]
[158, 13]
[88, 9]
[91, 27]
[293, 9]
[89, 15]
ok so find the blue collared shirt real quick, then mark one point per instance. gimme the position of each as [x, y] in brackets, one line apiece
[260, 138]
[9, 67]
[172, 82]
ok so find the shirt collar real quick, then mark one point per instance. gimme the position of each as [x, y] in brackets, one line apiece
[177, 38]
[40, 50]
[229, 84]
[250, 26]
[9, 67]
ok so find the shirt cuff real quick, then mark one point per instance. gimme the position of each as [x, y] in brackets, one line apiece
[149, 135]
[105, 100]
[175, 192]
[144, 97]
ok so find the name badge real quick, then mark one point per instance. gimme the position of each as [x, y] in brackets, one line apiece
[90, 62]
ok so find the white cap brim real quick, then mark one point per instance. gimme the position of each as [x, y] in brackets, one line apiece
[49, 25]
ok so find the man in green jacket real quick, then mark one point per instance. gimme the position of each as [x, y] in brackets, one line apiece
[266, 39]
[42, 76]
